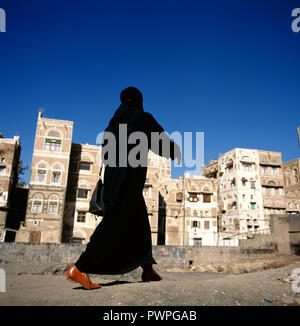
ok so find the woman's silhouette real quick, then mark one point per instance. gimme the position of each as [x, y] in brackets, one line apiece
[122, 240]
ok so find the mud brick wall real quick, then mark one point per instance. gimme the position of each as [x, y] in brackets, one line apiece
[166, 256]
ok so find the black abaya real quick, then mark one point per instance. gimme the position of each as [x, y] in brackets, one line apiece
[122, 240]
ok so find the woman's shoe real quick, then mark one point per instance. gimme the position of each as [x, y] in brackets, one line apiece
[74, 275]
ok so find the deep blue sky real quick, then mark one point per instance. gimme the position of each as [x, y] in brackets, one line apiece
[228, 68]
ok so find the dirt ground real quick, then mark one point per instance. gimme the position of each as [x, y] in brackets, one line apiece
[45, 285]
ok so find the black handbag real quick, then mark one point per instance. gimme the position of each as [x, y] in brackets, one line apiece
[96, 203]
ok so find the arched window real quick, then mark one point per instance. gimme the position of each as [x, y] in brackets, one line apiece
[53, 141]
[295, 171]
[41, 173]
[53, 203]
[37, 203]
[83, 190]
[56, 174]
[78, 236]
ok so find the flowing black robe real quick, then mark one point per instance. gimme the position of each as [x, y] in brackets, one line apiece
[122, 240]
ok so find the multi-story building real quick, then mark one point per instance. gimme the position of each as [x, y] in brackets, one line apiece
[63, 178]
[84, 168]
[292, 186]
[48, 181]
[250, 186]
[234, 196]
[10, 150]
[272, 182]
[188, 211]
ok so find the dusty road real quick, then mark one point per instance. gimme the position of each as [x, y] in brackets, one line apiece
[40, 285]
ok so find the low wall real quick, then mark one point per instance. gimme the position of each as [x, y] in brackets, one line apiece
[166, 256]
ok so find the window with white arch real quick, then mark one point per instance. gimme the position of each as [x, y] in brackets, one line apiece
[41, 173]
[37, 203]
[83, 191]
[56, 174]
[53, 203]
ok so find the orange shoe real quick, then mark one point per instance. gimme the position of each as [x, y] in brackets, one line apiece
[74, 275]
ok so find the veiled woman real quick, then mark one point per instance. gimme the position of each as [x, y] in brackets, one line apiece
[122, 240]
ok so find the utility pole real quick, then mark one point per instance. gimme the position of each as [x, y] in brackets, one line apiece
[183, 210]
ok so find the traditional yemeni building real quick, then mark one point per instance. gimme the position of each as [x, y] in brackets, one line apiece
[292, 186]
[10, 150]
[188, 207]
[84, 168]
[250, 186]
[64, 176]
[272, 182]
[48, 181]
[234, 197]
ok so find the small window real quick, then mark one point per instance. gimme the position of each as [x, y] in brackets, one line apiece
[265, 170]
[206, 225]
[247, 167]
[36, 206]
[41, 175]
[2, 170]
[147, 191]
[179, 196]
[252, 184]
[81, 217]
[84, 166]
[252, 205]
[206, 198]
[236, 224]
[82, 193]
[53, 204]
[194, 224]
[53, 207]
[52, 145]
[193, 196]
[56, 177]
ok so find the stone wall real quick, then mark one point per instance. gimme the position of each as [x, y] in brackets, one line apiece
[284, 237]
[166, 256]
